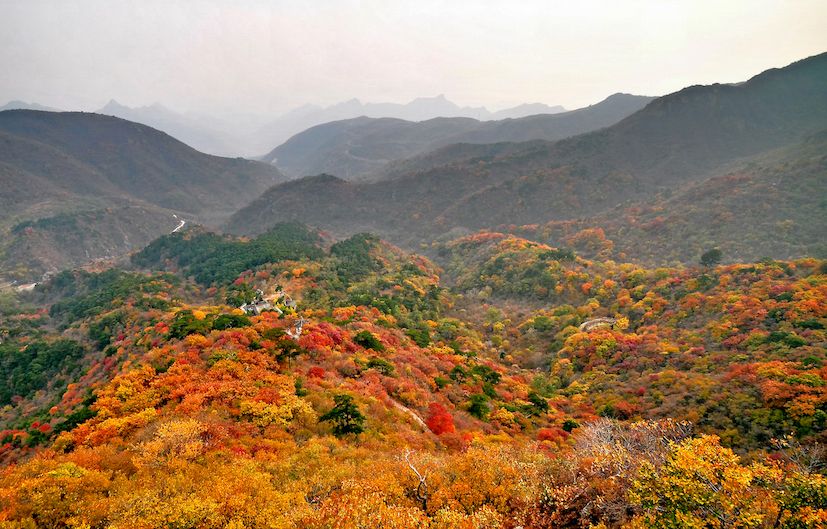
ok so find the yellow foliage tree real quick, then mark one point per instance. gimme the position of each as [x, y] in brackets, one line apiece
[703, 485]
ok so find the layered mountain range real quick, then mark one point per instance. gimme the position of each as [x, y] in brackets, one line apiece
[201, 133]
[565, 349]
[250, 135]
[419, 109]
[675, 142]
[69, 178]
[736, 166]
[360, 148]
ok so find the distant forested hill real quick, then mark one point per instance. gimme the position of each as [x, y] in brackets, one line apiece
[361, 148]
[675, 142]
[121, 181]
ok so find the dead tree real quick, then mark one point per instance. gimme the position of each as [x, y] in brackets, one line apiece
[422, 487]
[296, 331]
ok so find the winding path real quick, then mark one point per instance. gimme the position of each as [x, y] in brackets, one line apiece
[412, 414]
[181, 224]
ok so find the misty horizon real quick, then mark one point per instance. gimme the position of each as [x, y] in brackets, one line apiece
[304, 106]
[268, 58]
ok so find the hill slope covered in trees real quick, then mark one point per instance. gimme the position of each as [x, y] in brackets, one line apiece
[387, 391]
[674, 143]
[94, 186]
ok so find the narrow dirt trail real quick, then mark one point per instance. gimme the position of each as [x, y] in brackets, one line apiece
[412, 414]
[181, 224]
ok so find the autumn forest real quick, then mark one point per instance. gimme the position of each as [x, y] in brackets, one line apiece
[518, 385]
[413, 265]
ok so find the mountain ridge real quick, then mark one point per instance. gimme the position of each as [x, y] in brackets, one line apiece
[191, 131]
[64, 165]
[362, 147]
[295, 121]
[680, 138]
[16, 104]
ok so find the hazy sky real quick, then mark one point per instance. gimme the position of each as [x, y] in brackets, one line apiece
[268, 56]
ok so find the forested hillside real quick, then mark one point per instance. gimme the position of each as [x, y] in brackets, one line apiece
[413, 313]
[114, 157]
[772, 206]
[671, 148]
[79, 186]
[517, 385]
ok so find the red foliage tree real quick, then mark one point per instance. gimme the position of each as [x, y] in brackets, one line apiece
[439, 420]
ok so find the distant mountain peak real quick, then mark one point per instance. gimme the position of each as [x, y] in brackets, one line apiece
[17, 104]
[619, 95]
[113, 106]
[440, 97]
[527, 109]
[437, 98]
[350, 103]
